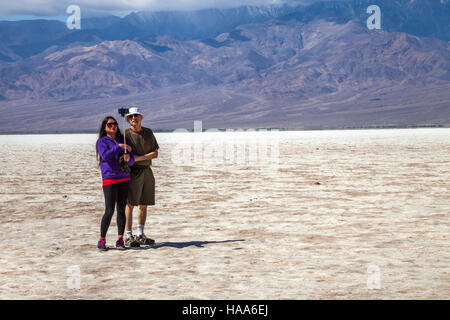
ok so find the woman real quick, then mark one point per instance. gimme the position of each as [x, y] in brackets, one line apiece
[110, 148]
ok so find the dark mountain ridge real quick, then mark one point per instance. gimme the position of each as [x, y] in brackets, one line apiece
[22, 39]
[317, 67]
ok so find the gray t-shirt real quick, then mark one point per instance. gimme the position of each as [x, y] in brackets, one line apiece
[142, 142]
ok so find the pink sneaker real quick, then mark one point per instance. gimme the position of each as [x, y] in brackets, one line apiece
[101, 245]
[120, 244]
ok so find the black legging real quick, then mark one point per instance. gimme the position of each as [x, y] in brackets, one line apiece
[114, 193]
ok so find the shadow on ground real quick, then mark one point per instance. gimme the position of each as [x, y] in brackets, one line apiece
[180, 245]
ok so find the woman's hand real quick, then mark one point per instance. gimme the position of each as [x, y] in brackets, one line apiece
[125, 145]
[126, 157]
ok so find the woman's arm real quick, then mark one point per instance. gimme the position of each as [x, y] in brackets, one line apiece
[105, 151]
[123, 146]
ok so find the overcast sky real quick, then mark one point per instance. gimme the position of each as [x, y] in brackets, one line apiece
[57, 8]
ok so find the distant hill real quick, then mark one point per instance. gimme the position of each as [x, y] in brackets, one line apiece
[427, 18]
[316, 66]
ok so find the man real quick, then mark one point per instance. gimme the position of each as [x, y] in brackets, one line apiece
[142, 185]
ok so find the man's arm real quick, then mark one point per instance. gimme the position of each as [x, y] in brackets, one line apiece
[140, 158]
[148, 156]
[152, 155]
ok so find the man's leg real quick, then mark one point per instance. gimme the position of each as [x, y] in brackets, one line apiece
[134, 194]
[129, 218]
[142, 215]
[130, 240]
[147, 198]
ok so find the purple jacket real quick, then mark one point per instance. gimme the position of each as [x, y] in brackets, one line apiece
[110, 152]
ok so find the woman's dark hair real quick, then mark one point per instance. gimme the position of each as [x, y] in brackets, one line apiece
[102, 133]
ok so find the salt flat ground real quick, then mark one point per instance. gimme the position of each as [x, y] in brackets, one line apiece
[360, 214]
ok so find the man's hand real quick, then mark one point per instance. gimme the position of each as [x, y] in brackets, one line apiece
[148, 156]
[152, 155]
[126, 157]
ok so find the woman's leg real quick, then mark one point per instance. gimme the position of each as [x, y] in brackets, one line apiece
[110, 192]
[122, 195]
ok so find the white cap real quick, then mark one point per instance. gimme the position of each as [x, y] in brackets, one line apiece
[134, 110]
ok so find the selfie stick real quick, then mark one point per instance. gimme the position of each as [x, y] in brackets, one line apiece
[123, 112]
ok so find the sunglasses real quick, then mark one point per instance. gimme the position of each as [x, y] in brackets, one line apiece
[134, 116]
[112, 124]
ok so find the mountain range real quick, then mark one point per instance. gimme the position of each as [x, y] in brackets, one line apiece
[307, 67]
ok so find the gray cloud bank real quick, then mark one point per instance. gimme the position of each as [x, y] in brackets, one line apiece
[48, 8]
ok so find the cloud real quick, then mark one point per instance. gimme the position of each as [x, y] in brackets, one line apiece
[46, 8]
